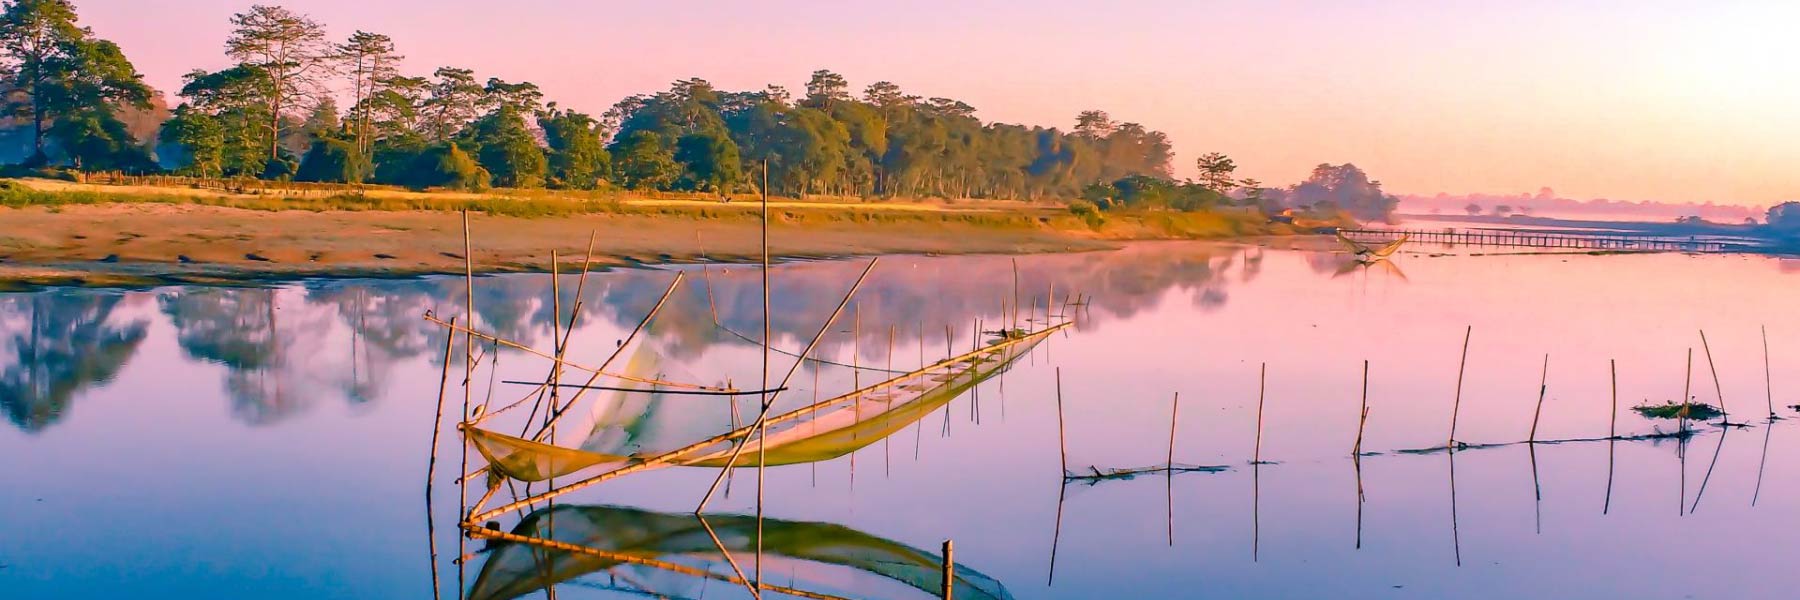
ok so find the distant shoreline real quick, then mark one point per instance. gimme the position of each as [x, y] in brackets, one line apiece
[128, 238]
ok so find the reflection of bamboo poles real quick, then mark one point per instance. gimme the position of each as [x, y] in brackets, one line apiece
[437, 426]
[633, 559]
[1455, 531]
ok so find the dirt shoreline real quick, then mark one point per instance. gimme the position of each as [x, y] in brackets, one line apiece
[148, 245]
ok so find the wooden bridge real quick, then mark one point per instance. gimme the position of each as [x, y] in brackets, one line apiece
[1576, 240]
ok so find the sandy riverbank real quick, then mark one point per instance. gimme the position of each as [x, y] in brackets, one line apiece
[153, 243]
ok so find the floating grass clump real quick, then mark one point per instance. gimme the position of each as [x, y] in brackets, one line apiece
[1698, 411]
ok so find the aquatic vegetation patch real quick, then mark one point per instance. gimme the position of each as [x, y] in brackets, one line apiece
[1699, 411]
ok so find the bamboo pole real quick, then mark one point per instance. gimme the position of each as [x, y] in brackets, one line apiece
[1717, 389]
[564, 409]
[1460, 370]
[1612, 430]
[468, 375]
[1174, 412]
[1363, 418]
[1687, 383]
[437, 426]
[1543, 387]
[762, 418]
[761, 445]
[949, 569]
[1261, 391]
[1768, 375]
[1062, 439]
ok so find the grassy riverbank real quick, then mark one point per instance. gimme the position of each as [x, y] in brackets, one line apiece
[62, 233]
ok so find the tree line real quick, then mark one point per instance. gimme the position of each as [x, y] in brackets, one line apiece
[275, 114]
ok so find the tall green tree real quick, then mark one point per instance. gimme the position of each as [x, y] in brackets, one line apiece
[709, 162]
[290, 52]
[578, 159]
[1216, 172]
[643, 162]
[225, 114]
[63, 72]
[373, 63]
[504, 145]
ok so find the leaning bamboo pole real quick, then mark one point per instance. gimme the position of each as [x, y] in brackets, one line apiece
[1718, 390]
[762, 418]
[1768, 376]
[620, 350]
[1174, 413]
[1363, 417]
[1461, 368]
[1543, 387]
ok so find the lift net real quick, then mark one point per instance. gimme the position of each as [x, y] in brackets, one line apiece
[828, 429]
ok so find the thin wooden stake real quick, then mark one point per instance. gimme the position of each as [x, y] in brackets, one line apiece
[1768, 376]
[1612, 430]
[1717, 389]
[1687, 384]
[1543, 387]
[437, 426]
[949, 569]
[1460, 370]
[468, 375]
[1174, 412]
[1062, 440]
[1261, 391]
[1363, 418]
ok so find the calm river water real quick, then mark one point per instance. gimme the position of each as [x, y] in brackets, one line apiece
[272, 442]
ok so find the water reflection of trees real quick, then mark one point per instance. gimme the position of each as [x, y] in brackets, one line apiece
[57, 345]
[286, 349]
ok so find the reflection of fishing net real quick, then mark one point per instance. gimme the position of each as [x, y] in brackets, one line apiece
[639, 431]
[667, 555]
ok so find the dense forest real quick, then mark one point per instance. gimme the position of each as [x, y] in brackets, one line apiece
[298, 105]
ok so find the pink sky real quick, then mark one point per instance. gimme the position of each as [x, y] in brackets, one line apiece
[1652, 100]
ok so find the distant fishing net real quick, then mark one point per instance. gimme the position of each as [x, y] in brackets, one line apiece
[633, 427]
[1094, 473]
[670, 555]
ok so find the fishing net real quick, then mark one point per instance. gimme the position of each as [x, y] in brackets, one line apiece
[639, 429]
[673, 555]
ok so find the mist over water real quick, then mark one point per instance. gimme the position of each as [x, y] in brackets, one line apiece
[272, 441]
